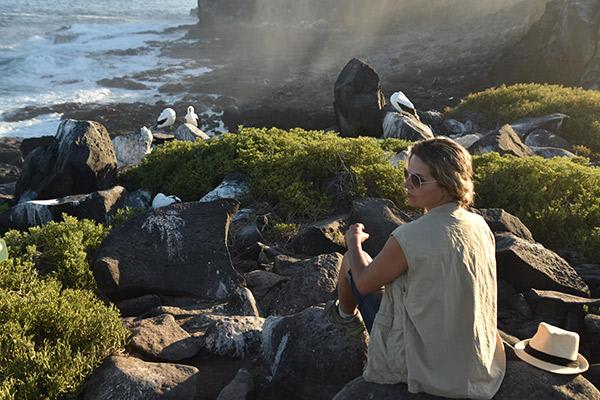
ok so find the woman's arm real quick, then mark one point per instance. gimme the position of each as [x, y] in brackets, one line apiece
[387, 266]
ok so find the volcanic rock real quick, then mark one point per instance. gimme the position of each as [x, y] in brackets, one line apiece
[81, 160]
[358, 101]
[179, 250]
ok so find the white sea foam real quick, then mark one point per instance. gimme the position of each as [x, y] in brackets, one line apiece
[43, 68]
[42, 125]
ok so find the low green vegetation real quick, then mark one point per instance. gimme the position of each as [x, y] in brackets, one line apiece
[557, 199]
[60, 250]
[507, 104]
[54, 331]
[289, 170]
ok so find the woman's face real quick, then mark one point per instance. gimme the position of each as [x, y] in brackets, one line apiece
[430, 194]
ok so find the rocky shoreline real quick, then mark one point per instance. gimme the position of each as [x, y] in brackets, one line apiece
[282, 76]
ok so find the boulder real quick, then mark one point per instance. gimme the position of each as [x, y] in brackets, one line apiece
[190, 133]
[240, 388]
[590, 273]
[551, 123]
[380, 217]
[405, 126]
[321, 237]
[30, 144]
[551, 152]
[260, 282]
[81, 160]
[454, 127]
[304, 352]
[311, 282]
[559, 48]
[176, 250]
[544, 138]
[503, 141]
[467, 141]
[234, 186]
[162, 339]
[592, 333]
[133, 379]
[521, 382]
[138, 305]
[227, 336]
[98, 206]
[528, 265]
[500, 221]
[556, 306]
[358, 101]
[131, 149]
[434, 119]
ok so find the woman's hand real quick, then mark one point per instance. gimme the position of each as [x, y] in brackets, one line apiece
[355, 235]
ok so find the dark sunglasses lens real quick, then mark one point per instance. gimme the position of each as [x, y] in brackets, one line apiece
[415, 181]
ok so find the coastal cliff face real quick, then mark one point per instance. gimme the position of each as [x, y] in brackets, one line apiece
[344, 13]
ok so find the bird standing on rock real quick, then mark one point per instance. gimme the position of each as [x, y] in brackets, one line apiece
[165, 119]
[191, 117]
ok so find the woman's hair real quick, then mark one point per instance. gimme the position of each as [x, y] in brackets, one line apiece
[451, 166]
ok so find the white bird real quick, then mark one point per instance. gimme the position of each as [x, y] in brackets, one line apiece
[402, 103]
[166, 118]
[160, 200]
[191, 117]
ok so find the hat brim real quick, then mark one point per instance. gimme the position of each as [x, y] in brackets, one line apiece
[582, 363]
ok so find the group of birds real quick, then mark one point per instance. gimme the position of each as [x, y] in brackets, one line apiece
[167, 118]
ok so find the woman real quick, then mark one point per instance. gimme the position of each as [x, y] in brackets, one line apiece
[434, 325]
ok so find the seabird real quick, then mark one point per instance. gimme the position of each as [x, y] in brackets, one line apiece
[160, 200]
[191, 117]
[165, 119]
[402, 103]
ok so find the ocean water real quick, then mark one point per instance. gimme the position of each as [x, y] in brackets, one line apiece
[55, 51]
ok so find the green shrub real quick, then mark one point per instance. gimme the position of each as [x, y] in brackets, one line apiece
[60, 249]
[51, 339]
[558, 199]
[287, 169]
[507, 104]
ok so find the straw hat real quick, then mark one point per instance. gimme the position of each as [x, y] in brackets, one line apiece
[553, 349]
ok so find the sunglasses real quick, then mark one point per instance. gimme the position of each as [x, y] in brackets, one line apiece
[415, 180]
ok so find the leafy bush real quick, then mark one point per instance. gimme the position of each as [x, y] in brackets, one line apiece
[60, 249]
[287, 169]
[558, 199]
[51, 339]
[507, 104]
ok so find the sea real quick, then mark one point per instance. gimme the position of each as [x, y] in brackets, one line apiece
[55, 51]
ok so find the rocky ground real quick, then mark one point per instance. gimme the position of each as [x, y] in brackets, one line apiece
[284, 76]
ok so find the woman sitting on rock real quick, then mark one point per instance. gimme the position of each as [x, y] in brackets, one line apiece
[433, 326]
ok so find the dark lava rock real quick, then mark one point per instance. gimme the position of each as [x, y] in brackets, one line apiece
[162, 338]
[133, 379]
[504, 141]
[178, 250]
[81, 160]
[500, 221]
[380, 217]
[99, 206]
[321, 237]
[544, 138]
[30, 144]
[527, 265]
[308, 357]
[311, 282]
[122, 83]
[521, 382]
[358, 100]
[551, 123]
